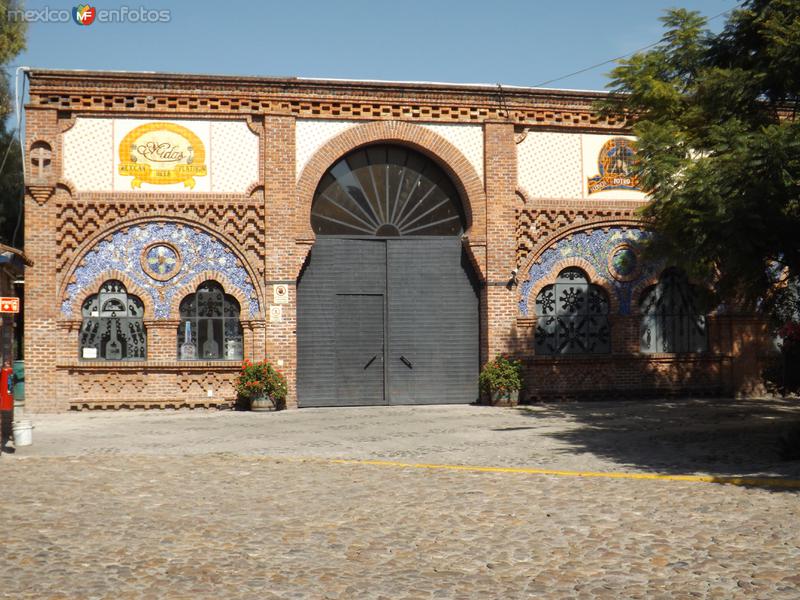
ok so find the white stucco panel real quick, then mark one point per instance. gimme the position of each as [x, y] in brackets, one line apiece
[468, 139]
[88, 148]
[549, 165]
[313, 134]
[592, 149]
[234, 160]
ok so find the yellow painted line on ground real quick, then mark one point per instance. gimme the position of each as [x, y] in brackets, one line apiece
[768, 482]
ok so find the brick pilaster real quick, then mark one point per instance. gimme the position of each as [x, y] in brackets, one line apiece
[500, 294]
[283, 257]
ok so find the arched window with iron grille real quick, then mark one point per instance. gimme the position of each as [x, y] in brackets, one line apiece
[672, 320]
[112, 327]
[572, 316]
[210, 328]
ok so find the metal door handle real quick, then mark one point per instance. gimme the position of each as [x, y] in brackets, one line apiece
[371, 360]
[406, 362]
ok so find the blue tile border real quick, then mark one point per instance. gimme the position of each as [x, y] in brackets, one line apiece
[199, 250]
[593, 247]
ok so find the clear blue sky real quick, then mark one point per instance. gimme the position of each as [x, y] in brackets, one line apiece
[514, 42]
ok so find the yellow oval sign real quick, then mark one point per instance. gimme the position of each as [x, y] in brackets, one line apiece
[162, 153]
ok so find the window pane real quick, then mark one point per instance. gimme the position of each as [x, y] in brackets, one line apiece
[187, 339]
[671, 319]
[386, 191]
[210, 338]
[572, 316]
[112, 327]
[216, 334]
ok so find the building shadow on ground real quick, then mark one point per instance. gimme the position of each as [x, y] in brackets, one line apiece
[720, 437]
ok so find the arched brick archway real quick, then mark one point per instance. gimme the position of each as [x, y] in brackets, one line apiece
[464, 177]
[400, 314]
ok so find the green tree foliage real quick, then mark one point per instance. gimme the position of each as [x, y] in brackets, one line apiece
[10, 189]
[719, 145]
[12, 42]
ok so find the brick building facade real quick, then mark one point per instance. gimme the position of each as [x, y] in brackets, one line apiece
[548, 213]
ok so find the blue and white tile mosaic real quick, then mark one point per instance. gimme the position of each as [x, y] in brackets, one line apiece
[199, 250]
[593, 247]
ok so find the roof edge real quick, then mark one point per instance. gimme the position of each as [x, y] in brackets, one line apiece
[86, 77]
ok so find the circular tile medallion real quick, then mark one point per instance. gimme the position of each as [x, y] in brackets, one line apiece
[161, 261]
[623, 262]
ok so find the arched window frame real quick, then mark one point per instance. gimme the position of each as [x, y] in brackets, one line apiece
[572, 316]
[113, 325]
[671, 321]
[386, 190]
[214, 330]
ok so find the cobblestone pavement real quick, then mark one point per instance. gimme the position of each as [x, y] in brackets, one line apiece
[218, 504]
[224, 526]
[717, 437]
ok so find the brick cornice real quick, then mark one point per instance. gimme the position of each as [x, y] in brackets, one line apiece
[148, 93]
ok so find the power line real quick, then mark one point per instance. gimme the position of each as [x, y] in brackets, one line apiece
[611, 60]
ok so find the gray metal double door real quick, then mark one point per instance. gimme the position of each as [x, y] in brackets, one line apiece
[387, 322]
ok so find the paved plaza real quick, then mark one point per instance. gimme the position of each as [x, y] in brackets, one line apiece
[223, 504]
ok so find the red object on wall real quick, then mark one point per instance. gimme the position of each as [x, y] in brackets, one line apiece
[6, 397]
[9, 305]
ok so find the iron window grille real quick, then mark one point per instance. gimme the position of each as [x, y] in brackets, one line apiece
[210, 328]
[112, 327]
[572, 316]
[671, 319]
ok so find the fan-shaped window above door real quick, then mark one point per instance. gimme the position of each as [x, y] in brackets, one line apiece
[386, 191]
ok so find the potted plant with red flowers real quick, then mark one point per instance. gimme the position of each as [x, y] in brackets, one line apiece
[262, 386]
[501, 380]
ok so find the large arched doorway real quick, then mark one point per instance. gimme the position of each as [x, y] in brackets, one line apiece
[388, 302]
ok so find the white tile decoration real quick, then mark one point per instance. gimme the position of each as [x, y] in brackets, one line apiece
[468, 139]
[234, 159]
[122, 183]
[89, 154]
[549, 165]
[592, 144]
[312, 134]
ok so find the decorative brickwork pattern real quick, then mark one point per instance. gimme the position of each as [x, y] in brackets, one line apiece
[539, 223]
[143, 93]
[240, 220]
[165, 386]
[615, 377]
[549, 165]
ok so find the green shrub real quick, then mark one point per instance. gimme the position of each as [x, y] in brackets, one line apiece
[261, 378]
[503, 374]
